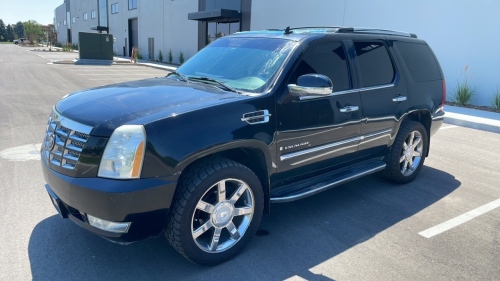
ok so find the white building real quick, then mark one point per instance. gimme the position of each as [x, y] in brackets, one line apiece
[461, 33]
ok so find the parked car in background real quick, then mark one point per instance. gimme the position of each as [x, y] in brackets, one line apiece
[21, 41]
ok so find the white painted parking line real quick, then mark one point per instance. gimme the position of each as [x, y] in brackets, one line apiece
[448, 127]
[105, 70]
[22, 153]
[447, 225]
[118, 74]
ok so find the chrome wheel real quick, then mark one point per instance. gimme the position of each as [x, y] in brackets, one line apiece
[411, 154]
[222, 215]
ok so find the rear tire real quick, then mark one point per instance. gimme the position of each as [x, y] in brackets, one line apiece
[216, 211]
[406, 156]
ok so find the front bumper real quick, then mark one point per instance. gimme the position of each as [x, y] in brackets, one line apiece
[143, 202]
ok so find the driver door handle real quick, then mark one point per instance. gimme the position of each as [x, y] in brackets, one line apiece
[349, 108]
[399, 99]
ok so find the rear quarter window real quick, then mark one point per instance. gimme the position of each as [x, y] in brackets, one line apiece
[420, 61]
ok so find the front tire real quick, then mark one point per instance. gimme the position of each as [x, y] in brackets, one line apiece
[406, 156]
[216, 211]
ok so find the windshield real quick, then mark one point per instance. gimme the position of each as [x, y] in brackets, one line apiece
[246, 64]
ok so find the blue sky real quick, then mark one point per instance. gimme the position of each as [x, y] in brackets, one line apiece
[12, 11]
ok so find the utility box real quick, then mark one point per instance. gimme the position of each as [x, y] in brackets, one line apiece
[95, 46]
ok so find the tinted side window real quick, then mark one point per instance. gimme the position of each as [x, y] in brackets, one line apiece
[328, 59]
[376, 65]
[420, 61]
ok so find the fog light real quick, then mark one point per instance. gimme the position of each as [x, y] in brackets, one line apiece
[116, 227]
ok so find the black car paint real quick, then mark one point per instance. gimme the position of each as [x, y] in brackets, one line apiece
[188, 121]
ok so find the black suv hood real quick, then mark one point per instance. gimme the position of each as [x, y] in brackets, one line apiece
[109, 107]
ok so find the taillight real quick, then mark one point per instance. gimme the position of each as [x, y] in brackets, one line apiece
[444, 93]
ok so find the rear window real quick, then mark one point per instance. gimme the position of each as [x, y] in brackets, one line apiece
[420, 61]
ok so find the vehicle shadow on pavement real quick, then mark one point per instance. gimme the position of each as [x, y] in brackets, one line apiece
[302, 235]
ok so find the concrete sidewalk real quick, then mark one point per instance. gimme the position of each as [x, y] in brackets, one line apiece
[465, 117]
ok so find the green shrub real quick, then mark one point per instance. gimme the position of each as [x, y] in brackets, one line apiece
[170, 56]
[135, 54]
[160, 56]
[495, 100]
[67, 48]
[464, 92]
[181, 58]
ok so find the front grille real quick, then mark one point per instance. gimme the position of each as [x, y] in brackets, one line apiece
[64, 141]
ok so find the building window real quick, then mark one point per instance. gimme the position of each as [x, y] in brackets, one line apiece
[132, 4]
[64, 22]
[73, 20]
[114, 8]
[103, 12]
[221, 29]
[93, 14]
[85, 16]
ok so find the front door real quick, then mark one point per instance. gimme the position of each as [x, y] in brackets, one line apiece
[316, 133]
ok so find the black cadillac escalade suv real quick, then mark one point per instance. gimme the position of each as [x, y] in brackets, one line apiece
[253, 118]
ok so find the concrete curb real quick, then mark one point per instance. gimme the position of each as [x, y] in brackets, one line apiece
[157, 66]
[93, 62]
[472, 124]
[475, 119]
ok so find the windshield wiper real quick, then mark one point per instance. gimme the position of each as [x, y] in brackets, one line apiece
[219, 83]
[182, 76]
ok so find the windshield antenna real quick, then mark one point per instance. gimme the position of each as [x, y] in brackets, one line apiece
[287, 30]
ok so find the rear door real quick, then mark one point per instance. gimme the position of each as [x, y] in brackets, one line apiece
[383, 96]
[314, 133]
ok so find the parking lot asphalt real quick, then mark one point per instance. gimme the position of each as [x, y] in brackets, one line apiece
[445, 225]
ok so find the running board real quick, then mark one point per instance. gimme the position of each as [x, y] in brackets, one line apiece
[310, 187]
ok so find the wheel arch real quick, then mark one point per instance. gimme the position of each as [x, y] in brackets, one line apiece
[253, 154]
[424, 117]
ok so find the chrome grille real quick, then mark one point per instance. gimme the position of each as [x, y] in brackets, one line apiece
[64, 141]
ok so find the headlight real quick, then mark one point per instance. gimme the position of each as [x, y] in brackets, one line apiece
[124, 153]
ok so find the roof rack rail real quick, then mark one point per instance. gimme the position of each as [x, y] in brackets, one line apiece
[316, 27]
[375, 31]
[289, 29]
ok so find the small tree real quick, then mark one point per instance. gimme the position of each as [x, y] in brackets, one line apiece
[170, 56]
[160, 56]
[52, 37]
[181, 58]
[33, 31]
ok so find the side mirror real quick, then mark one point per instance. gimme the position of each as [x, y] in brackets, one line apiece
[311, 85]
